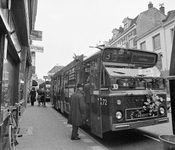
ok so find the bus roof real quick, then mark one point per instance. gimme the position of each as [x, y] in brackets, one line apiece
[104, 49]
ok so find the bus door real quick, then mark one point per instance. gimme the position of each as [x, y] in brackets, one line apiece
[95, 108]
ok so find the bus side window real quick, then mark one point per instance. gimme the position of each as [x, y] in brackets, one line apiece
[94, 73]
[104, 79]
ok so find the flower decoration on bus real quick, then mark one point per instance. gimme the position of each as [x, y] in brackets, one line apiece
[152, 103]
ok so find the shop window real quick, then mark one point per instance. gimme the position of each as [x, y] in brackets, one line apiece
[7, 83]
[21, 89]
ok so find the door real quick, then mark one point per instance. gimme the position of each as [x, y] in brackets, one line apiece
[95, 107]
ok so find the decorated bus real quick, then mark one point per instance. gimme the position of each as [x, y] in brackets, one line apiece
[127, 90]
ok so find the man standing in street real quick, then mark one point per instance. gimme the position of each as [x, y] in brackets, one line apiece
[32, 96]
[77, 111]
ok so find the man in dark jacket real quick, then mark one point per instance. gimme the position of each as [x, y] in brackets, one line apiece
[77, 110]
[87, 88]
[42, 97]
[33, 96]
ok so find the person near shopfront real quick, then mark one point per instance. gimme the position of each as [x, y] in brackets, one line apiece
[32, 96]
[77, 111]
[39, 97]
[87, 98]
[42, 97]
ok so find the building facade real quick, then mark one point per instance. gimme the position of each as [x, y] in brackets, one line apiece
[17, 18]
[159, 40]
[151, 30]
[126, 36]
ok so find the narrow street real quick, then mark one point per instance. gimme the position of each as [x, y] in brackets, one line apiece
[44, 128]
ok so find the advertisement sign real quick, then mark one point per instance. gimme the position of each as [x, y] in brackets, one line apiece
[36, 35]
[34, 48]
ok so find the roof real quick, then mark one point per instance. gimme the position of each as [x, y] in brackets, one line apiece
[170, 16]
[133, 22]
[55, 69]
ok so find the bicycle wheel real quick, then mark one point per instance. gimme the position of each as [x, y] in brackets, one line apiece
[11, 138]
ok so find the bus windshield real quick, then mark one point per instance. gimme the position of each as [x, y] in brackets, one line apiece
[136, 78]
[134, 72]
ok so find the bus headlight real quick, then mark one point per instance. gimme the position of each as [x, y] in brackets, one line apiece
[162, 110]
[118, 115]
[119, 102]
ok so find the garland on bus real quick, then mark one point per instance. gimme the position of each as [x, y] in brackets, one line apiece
[152, 103]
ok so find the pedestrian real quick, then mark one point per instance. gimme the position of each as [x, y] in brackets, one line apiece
[32, 96]
[77, 110]
[39, 97]
[42, 97]
[87, 98]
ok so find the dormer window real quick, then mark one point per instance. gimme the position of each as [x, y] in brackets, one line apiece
[126, 23]
[125, 26]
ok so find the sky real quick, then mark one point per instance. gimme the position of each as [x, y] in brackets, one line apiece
[71, 26]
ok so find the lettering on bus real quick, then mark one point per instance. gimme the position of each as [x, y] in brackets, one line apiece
[103, 101]
[129, 56]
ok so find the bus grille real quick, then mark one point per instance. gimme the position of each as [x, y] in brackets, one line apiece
[134, 102]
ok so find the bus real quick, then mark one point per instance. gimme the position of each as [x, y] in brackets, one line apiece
[127, 89]
[45, 86]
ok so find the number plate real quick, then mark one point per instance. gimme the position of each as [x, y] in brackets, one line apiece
[133, 114]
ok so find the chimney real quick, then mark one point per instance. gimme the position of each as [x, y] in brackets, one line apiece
[120, 29]
[162, 8]
[150, 5]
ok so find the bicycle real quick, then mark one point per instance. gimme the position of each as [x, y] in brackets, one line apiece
[13, 126]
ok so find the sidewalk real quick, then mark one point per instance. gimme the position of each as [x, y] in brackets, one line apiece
[43, 128]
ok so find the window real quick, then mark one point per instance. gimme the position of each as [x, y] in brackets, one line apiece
[134, 32]
[94, 72]
[143, 45]
[125, 26]
[135, 41]
[131, 43]
[7, 96]
[156, 42]
[104, 79]
[172, 33]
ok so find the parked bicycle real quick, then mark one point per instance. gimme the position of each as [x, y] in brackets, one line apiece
[13, 126]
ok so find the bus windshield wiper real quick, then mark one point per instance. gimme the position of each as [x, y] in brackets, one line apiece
[118, 72]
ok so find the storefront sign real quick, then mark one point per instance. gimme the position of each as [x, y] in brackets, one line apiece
[37, 48]
[36, 35]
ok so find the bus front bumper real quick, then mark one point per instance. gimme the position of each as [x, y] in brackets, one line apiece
[137, 124]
